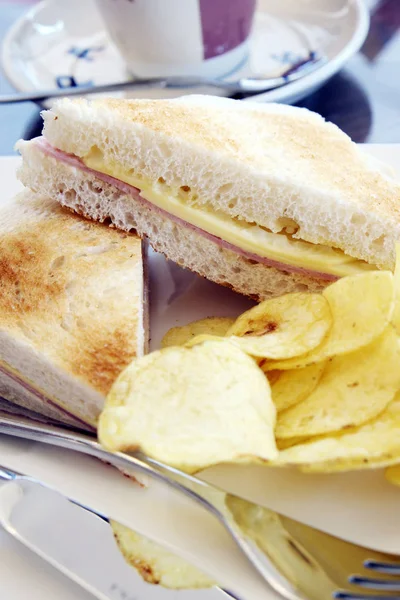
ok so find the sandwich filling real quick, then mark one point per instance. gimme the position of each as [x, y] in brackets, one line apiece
[281, 250]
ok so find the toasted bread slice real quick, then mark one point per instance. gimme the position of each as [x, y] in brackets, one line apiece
[71, 308]
[270, 164]
[88, 195]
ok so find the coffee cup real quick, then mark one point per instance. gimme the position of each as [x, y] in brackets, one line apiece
[205, 38]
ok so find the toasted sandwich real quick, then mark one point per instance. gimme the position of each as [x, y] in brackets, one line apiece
[265, 199]
[72, 312]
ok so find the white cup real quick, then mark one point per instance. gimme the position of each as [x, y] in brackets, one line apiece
[179, 37]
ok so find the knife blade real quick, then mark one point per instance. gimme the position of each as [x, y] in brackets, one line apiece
[75, 540]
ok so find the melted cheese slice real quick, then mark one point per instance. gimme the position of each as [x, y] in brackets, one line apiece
[249, 237]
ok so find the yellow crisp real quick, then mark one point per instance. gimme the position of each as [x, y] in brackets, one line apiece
[214, 326]
[282, 327]
[361, 306]
[292, 387]
[156, 564]
[396, 311]
[192, 408]
[353, 389]
[372, 445]
[392, 474]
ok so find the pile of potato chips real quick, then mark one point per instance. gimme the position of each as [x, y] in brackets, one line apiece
[311, 380]
[306, 380]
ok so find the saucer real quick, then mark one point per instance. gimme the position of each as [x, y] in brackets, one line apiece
[64, 44]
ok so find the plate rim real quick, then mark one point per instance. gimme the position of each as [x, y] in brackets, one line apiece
[319, 76]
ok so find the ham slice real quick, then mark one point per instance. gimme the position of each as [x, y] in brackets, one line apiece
[130, 190]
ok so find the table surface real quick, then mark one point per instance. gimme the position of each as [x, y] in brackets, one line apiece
[363, 99]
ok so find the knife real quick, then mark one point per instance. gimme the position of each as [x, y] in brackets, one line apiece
[153, 510]
[72, 538]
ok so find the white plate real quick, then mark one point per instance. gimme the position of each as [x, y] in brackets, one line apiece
[343, 504]
[59, 44]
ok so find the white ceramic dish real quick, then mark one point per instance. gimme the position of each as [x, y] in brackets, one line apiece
[342, 504]
[59, 44]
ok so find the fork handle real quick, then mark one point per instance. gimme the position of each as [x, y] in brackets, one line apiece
[19, 426]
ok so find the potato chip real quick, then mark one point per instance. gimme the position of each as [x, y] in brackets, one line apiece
[353, 389]
[284, 443]
[282, 327]
[396, 311]
[373, 445]
[201, 338]
[155, 564]
[292, 387]
[392, 474]
[361, 306]
[273, 376]
[179, 336]
[192, 408]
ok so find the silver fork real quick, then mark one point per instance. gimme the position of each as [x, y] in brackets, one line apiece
[297, 561]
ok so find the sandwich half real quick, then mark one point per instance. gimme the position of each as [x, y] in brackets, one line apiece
[72, 313]
[265, 199]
